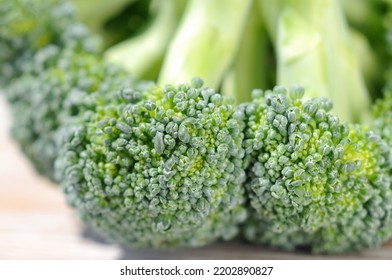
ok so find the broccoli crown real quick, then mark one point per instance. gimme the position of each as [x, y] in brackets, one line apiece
[28, 26]
[312, 181]
[158, 167]
[59, 84]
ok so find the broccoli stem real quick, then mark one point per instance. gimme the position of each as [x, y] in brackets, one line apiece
[251, 68]
[313, 47]
[370, 62]
[218, 26]
[96, 15]
[149, 45]
[114, 20]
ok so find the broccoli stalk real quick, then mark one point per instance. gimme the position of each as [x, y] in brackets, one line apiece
[252, 66]
[115, 20]
[369, 62]
[368, 18]
[313, 46]
[206, 41]
[95, 16]
[142, 55]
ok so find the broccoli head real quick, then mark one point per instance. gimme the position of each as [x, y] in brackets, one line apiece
[158, 167]
[312, 181]
[28, 26]
[60, 84]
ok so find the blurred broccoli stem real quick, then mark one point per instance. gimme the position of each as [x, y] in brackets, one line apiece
[206, 41]
[113, 20]
[142, 55]
[367, 18]
[252, 67]
[314, 49]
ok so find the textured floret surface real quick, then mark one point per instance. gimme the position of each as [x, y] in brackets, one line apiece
[158, 167]
[312, 181]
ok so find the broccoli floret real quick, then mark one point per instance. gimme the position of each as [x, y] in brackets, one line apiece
[28, 26]
[50, 70]
[158, 167]
[115, 20]
[312, 181]
[59, 85]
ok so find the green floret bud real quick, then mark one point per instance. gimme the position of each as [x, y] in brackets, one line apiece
[312, 181]
[28, 26]
[158, 167]
[56, 86]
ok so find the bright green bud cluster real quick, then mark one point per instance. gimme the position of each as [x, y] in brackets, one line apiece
[30, 25]
[57, 86]
[312, 181]
[158, 167]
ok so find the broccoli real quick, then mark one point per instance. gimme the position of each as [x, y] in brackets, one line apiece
[158, 167]
[26, 29]
[171, 158]
[53, 70]
[312, 181]
[168, 163]
[60, 84]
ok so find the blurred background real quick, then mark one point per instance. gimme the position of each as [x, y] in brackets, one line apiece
[36, 223]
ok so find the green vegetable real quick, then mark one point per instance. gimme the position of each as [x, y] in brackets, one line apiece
[59, 86]
[25, 29]
[164, 163]
[312, 181]
[50, 71]
[158, 167]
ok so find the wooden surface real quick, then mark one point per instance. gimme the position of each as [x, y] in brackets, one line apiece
[36, 223]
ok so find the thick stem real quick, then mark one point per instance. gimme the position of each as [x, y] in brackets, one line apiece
[313, 46]
[252, 67]
[206, 41]
[142, 55]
